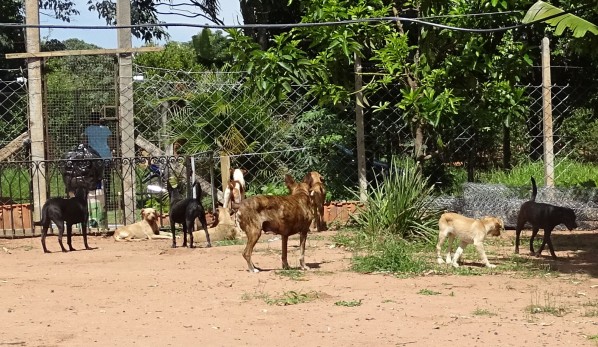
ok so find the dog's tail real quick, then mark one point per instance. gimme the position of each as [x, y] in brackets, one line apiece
[534, 190]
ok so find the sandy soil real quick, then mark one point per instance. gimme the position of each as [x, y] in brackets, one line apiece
[145, 293]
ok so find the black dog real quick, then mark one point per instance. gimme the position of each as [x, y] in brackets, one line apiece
[542, 216]
[184, 211]
[71, 211]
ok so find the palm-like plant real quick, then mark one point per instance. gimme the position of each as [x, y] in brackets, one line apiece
[578, 25]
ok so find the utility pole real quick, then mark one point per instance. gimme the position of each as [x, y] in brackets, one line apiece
[125, 109]
[547, 115]
[36, 117]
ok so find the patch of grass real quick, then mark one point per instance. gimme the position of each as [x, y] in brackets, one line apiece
[292, 298]
[393, 256]
[527, 267]
[593, 338]
[229, 242]
[483, 312]
[591, 309]
[293, 274]
[258, 295]
[352, 303]
[547, 305]
[428, 292]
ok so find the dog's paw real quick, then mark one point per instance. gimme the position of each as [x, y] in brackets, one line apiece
[440, 261]
[490, 266]
[455, 265]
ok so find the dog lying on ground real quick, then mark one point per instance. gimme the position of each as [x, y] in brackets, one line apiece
[316, 184]
[223, 229]
[468, 231]
[146, 229]
[235, 190]
[184, 211]
[283, 215]
[542, 216]
[70, 211]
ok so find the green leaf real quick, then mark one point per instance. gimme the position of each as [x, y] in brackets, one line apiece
[577, 25]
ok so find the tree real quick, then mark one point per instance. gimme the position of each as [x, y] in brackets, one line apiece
[211, 48]
[577, 25]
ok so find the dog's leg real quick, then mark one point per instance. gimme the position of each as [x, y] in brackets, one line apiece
[458, 253]
[449, 250]
[441, 238]
[480, 247]
[185, 233]
[531, 241]
[547, 234]
[44, 232]
[204, 224]
[173, 234]
[190, 231]
[252, 237]
[69, 236]
[302, 241]
[520, 225]
[547, 240]
[285, 240]
[84, 228]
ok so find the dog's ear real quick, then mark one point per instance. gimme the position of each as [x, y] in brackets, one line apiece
[243, 171]
[289, 181]
[308, 179]
[143, 212]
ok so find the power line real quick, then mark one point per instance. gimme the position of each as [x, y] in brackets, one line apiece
[289, 25]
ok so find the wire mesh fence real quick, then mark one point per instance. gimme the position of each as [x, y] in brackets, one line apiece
[212, 118]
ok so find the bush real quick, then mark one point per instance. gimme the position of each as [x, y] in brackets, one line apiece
[391, 256]
[400, 205]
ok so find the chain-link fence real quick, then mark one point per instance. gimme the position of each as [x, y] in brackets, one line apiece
[214, 119]
[13, 115]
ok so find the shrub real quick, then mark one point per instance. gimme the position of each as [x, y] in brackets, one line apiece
[400, 206]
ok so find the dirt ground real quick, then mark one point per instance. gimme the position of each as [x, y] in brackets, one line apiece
[147, 294]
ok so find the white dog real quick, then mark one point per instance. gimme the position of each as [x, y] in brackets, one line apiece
[235, 190]
[146, 229]
[468, 231]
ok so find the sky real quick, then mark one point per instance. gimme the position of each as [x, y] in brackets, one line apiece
[229, 11]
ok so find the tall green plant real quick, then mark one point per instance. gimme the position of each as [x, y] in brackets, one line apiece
[400, 205]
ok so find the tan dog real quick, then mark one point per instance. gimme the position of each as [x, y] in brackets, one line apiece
[316, 184]
[225, 229]
[146, 229]
[284, 215]
[468, 231]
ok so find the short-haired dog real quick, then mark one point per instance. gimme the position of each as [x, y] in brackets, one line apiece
[145, 229]
[284, 215]
[468, 231]
[70, 211]
[542, 216]
[316, 184]
[184, 211]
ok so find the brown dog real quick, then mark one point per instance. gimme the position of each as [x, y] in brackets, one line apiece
[316, 184]
[283, 215]
[225, 229]
[146, 229]
[467, 230]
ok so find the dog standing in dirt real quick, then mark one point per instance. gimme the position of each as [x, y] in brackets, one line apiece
[542, 216]
[284, 215]
[468, 231]
[70, 211]
[316, 185]
[184, 211]
[146, 229]
[235, 190]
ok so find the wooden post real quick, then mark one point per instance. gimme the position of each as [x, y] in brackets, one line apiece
[36, 118]
[361, 170]
[224, 170]
[547, 115]
[125, 109]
